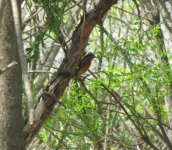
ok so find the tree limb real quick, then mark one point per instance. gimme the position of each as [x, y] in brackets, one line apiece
[61, 78]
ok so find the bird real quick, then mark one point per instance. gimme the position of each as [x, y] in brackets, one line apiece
[84, 64]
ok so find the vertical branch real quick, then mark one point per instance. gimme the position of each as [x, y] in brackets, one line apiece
[165, 14]
[17, 26]
[102, 44]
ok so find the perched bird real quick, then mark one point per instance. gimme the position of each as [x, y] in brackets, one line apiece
[84, 64]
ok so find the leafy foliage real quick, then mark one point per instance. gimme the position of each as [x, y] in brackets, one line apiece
[122, 102]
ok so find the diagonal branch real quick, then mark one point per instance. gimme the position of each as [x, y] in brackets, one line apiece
[13, 63]
[61, 78]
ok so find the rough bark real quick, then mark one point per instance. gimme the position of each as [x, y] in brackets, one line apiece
[67, 69]
[10, 83]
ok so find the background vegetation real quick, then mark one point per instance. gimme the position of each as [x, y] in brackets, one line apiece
[125, 100]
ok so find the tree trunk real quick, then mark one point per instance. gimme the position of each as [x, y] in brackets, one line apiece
[10, 83]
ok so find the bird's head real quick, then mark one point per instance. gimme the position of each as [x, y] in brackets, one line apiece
[90, 55]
